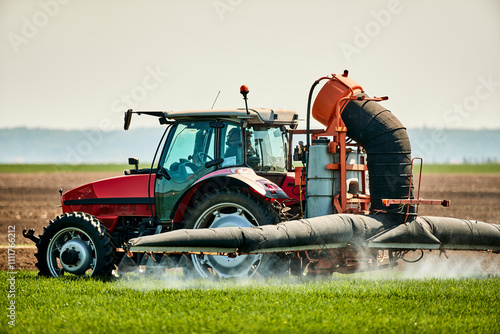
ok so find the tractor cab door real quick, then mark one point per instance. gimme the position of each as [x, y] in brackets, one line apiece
[189, 146]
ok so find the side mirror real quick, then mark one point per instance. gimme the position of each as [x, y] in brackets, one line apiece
[134, 161]
[127, 119]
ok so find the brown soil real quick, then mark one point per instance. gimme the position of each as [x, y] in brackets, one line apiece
[31, 200]
[472, 196]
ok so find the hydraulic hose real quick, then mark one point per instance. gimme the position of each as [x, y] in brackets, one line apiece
[308, 123]
[308, 116]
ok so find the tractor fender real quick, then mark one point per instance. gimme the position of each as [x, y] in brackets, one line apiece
[244, 178]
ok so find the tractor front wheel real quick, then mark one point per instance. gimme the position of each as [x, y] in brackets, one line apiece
[75, 243]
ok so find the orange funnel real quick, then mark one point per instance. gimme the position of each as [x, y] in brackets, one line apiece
[332, 98]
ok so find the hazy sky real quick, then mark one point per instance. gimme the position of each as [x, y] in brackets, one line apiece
[81, 64]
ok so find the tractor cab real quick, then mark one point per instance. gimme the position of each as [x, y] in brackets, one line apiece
[206, 145]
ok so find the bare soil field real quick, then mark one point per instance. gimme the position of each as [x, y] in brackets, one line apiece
[31, 200]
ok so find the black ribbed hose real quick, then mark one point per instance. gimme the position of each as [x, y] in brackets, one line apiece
[388, 153]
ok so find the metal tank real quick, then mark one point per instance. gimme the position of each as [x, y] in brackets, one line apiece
[320, 181]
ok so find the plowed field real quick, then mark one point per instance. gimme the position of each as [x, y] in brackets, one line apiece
[31, 200]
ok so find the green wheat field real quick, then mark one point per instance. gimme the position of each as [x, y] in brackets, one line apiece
[359, 303]
[47, 168]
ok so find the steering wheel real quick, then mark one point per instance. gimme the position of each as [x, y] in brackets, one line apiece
[198, 157]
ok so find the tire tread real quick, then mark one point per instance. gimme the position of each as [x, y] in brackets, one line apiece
[97, 230]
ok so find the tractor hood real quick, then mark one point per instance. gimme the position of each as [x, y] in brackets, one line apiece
[111, 198]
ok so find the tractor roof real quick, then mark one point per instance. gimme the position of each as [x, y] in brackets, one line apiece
[254, 116]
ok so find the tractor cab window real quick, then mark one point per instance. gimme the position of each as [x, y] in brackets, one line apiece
[231, 145]
[191, 145]
[266, 149]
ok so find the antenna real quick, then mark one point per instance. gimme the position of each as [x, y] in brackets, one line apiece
[215, 99]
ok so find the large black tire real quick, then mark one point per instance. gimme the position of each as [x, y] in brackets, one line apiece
[76, 243]
[228, 208]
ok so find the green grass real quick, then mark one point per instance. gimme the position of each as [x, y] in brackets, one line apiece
[55, 168]
[47, 168]
[342, 304]
[490, 168]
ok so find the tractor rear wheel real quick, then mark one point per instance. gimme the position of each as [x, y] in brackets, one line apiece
[231, 208]
[75, 243]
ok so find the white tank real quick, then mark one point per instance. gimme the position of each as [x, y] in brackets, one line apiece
[324, 184]
[320, 181]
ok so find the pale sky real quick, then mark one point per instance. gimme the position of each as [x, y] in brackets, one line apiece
[80, 64]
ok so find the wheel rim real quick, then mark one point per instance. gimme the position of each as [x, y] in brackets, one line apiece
[226, 215]
[71, 250]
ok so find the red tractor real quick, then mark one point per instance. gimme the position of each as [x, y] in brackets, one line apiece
[224, 178]
[216, 168]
